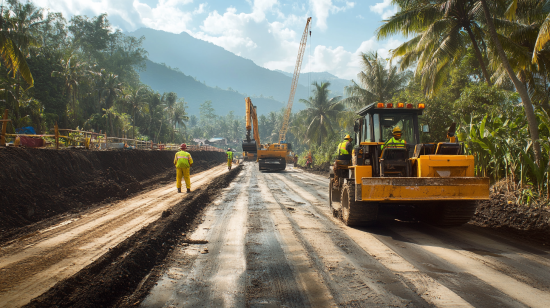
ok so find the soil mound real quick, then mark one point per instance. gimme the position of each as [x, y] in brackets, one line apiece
[322, 169]
[502, 212]
[36, 183]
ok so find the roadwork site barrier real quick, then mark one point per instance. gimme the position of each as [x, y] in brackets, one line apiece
[72, 138]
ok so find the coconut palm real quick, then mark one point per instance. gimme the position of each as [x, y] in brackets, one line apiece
[73, 70]
[113, 88]
[377, 82]
[322, 112]
[179, 116]
[134, 96]
[442, 31]
[522, 90]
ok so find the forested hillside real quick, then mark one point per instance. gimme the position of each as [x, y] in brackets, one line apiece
[164, 79]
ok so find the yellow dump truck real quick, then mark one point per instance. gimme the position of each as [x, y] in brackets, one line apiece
[432, 182]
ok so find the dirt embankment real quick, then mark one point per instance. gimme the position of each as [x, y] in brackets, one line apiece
[322, 169]
[502, 212]
[36, 184]
[123, 276]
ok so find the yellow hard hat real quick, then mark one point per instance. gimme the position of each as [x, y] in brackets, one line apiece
[396, 130]
[347, 137]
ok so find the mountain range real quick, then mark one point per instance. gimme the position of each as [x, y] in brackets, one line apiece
[199, 70]
[164, 79]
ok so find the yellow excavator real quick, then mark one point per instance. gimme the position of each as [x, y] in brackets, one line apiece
[250, 146]
[276, 155]
[431, 182]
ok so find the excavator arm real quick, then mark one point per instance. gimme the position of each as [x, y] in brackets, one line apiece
[251, 145]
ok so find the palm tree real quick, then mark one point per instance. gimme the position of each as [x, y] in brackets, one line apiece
[12, 56]
[135, 99]
[113, 88]
[179, 116]
[377, 82]
[442, 29]
[168, 100]
[522, 90]
[73, 71]
[321, 112]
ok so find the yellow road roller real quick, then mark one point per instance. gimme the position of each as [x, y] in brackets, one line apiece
[431, 182]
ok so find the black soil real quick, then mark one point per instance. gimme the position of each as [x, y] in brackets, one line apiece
[36, 184]
[503, 213]
[121, 277]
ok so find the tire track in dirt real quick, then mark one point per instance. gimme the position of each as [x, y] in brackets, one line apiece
[482, 270]
[33, 264]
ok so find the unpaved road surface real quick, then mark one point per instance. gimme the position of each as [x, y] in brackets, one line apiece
[31, 265]
[272, 242]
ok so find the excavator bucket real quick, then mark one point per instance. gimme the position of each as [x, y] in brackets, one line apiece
[250, 146]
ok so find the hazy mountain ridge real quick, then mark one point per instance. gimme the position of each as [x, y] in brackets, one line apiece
[217, 66]
[163, 79]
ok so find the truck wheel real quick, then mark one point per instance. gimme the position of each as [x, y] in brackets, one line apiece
[334, 200]
[357, 213]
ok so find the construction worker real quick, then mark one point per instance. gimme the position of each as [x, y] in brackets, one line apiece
[229, 158]
[396, 140]
[345, 148]
[183, 162]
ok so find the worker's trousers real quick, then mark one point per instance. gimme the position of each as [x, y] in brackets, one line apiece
[229, 162]
[183, 172]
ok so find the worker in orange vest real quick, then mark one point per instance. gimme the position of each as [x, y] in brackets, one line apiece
[183, 162]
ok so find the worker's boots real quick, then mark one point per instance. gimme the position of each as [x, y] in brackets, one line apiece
[188, 190]
[179, 190]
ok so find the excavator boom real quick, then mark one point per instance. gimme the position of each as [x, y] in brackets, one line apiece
[251, 145]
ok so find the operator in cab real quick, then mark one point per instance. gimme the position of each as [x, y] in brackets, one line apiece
[396, 140]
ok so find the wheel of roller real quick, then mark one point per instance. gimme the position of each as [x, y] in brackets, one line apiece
[356, 213]
[334, 200]
[451, 213]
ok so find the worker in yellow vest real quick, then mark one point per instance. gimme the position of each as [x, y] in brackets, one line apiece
[345, 148]
[229, 158]
[396, 140]
[183, 161]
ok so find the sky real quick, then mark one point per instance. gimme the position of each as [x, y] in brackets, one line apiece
[267, 32]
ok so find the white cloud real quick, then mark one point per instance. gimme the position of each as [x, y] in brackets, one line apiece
[338, 61]
[167, 15]
[384, 9]
[322, 8]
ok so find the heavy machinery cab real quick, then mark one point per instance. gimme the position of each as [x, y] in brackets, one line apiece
[429, 182]
[373, 131]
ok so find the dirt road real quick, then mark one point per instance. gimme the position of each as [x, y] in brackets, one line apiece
[31, 265]
[273, 242]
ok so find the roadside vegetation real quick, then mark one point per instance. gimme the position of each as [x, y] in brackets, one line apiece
[482, 64]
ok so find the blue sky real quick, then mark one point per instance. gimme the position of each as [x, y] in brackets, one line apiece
[266, 31]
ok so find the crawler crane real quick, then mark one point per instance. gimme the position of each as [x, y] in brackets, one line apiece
[275, 156]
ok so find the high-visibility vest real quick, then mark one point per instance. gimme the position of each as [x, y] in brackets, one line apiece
[400, 143]
[229, 155]
[184, 159]
[342, 148]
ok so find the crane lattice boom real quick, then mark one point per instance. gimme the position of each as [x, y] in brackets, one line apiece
[295, 76]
